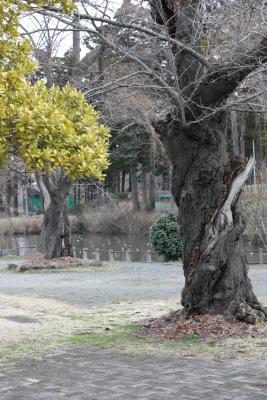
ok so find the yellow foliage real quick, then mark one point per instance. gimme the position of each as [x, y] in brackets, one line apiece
[49, 128]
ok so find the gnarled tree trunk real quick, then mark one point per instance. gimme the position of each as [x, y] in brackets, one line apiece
[207, 179]
[206, 187]
[55, 238]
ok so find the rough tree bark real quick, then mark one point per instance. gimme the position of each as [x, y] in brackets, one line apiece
[55, 238]
[212, 223]
[207, 180]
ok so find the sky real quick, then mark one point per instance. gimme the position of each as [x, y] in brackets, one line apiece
[64, 43]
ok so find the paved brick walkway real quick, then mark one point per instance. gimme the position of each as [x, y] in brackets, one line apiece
[86, 373]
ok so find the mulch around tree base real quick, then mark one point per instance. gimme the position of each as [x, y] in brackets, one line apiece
[175, 326]
[36, 262]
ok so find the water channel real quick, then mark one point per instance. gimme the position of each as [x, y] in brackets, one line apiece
[138, 244]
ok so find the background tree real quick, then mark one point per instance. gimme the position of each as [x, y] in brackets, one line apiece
[50, 129]
[101, 75]
[133, 150]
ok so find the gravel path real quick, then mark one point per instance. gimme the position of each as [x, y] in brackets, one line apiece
[113, 283]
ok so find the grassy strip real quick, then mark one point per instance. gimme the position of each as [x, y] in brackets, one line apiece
[112, 327]
[127, 338]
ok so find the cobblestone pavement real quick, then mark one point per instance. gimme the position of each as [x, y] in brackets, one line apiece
[86, 373]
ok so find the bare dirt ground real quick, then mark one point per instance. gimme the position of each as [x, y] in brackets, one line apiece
[99, 305]
[29, 324]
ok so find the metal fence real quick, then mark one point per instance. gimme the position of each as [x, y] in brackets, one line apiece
[127, 255]
[253, 256]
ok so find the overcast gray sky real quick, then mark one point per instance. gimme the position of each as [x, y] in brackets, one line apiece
[64, 42]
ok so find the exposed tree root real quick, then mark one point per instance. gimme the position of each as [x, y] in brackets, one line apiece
[251, 314]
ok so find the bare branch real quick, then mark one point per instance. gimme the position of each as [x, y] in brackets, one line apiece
[141, 29]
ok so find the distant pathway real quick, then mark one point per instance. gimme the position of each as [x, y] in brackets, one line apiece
[114, 283]
[84, 373]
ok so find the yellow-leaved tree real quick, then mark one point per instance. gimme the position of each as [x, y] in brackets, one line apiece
[53, 130]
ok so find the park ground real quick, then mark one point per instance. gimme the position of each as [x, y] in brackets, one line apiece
[74, 334]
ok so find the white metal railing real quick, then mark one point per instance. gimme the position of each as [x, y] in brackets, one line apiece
[253, 256]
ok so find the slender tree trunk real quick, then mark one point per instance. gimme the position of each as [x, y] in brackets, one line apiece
[16, 196]
[151, 173]
[130, 183]
[123, 181]
[151, 192]
[148, 190]
[8, 196]
[114, 181]
[55, 238]
[144, 188]
[212, 223]
[119, 182]
[135, 199]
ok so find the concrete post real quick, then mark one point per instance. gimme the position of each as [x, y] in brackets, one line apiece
[261, 255]
[110, 255]
[85, 253]
[78, 253]
[127, 255]
[148, 256]
[97, 255]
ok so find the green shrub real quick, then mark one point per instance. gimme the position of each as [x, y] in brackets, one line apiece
[165, 238]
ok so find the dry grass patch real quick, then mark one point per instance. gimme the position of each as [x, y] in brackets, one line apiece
[30, 225]
[116, 219]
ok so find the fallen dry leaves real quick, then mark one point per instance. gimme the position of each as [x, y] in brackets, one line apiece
[175, 326]
[36, 258]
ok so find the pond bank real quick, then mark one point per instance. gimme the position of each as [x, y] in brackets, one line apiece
[30, 225]
[119, 220]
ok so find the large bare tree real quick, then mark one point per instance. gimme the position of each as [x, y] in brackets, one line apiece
[214, 47]
[207, 180]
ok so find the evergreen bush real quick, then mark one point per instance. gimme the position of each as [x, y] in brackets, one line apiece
[165, 238]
